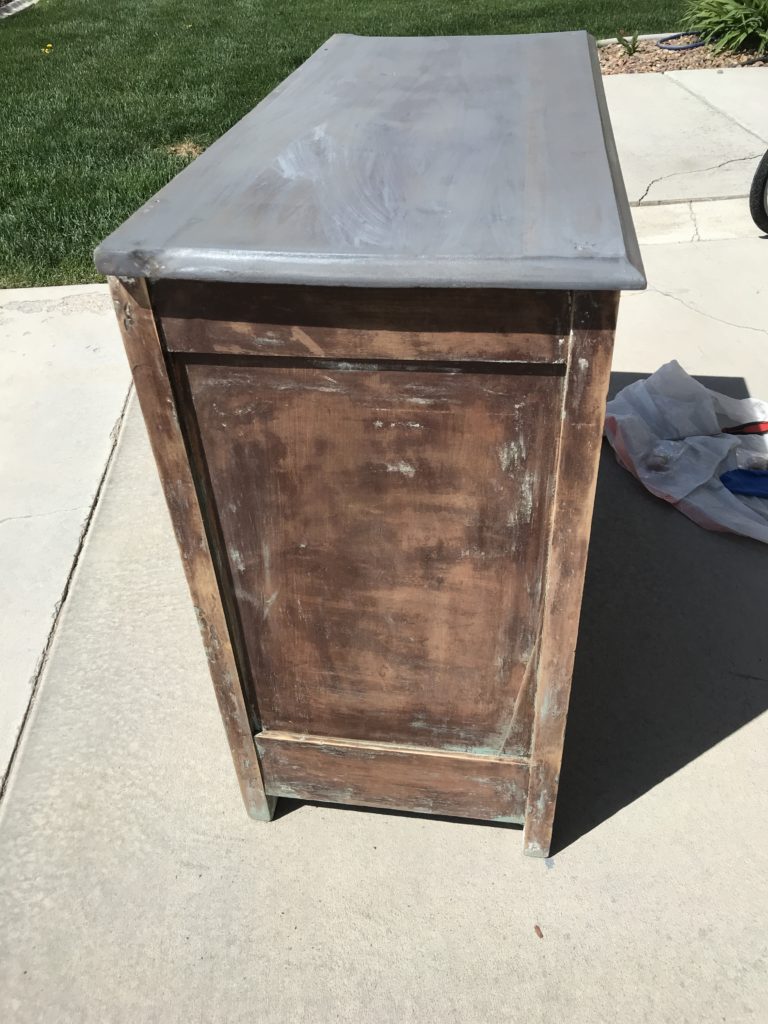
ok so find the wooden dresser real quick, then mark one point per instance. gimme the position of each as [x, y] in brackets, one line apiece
[370, 330]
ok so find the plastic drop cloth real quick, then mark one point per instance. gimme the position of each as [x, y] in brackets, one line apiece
[671, 433]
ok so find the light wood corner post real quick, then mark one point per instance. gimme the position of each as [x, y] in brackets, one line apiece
[588, 374]
[150, 373]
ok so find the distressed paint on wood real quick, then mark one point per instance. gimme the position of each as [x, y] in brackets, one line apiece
[382, 490]
[158, 406]
[270, 427]
[352, 323]
[458, 161]
[578, 456]
[387, 533]
[383, 775]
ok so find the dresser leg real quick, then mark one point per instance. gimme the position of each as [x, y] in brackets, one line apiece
[146, 358]
[264, 811]
[587, 375]
[540, 811]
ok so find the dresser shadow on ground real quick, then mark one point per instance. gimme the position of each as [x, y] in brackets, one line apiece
[671, 653]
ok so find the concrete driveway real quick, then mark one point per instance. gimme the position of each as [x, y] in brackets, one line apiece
[133, 887]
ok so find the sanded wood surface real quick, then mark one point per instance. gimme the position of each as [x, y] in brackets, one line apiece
[379, 775]
[363, 323]
[389, 575]
[158, 406]
[386, 532]
[577, 461]
[371, 331]
[454, 161]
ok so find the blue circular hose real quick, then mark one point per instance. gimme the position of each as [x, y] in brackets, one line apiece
[664, 44]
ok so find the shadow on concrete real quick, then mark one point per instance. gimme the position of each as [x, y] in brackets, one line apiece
[672, 647]
[672, 652]
[285, 805]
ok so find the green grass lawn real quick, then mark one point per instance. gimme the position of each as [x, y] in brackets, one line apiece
[85, 130]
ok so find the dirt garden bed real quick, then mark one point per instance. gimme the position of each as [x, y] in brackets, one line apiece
[614, 60]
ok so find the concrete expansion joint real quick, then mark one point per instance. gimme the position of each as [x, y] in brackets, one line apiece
[702, 99]
[59, 607]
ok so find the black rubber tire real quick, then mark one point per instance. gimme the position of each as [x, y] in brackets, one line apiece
[758, 195]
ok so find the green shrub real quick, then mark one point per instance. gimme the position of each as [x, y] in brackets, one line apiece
[730, 24]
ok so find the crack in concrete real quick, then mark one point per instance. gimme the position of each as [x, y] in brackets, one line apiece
[695, 170]
[709, 316]
[696, 235]
[41, 515]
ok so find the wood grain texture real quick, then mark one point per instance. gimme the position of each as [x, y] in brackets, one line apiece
[386, 555]
[379, 775]
[387, 535]
[353, 323]
[577, 461]
[147, 362]
[453, 161]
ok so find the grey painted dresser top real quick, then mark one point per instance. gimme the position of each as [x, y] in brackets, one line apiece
[456, 161]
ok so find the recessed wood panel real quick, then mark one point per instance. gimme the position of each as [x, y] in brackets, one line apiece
[386, 535]
[429, 782]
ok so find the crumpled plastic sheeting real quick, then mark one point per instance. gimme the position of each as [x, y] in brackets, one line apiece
[668, 431]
